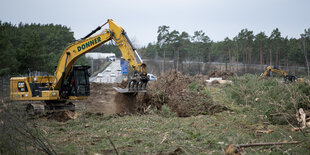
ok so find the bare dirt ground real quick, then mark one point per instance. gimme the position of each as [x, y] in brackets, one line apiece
[101, 99]
[105, 100]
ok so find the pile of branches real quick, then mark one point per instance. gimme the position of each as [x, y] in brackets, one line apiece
[224, 75]
[185, 95]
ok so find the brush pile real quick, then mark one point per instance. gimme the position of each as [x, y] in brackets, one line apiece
[185, 95]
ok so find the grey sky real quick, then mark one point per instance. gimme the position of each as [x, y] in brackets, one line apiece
[141, 18]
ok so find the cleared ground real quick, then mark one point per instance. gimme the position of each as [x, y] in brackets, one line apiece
[106, 101]
[161, 132]
[179, 115]
[207, 122]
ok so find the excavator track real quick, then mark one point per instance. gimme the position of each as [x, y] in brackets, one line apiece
[41, 108]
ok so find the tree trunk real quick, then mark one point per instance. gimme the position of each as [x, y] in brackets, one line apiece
[287, 62]
[178, 59]
[182, 67]
[198, 60]
[225, 57]
[277, 56]
[237, 58]
[164, 62]
[270, 58]
[229, 54]
[267, 59]
[246, 56]
[250, 56]
[174, 60]
[209, 55]
[246, 60]
[243, 55]
[306, 54]
[261, 55]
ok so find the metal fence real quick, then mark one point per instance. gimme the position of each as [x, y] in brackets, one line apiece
[4, 87]
[193, 68]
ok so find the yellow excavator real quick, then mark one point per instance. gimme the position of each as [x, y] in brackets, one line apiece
[72, 82]
[287, 78]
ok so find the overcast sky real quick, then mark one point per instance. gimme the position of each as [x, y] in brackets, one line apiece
[141, 18]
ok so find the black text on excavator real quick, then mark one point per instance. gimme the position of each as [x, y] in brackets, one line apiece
[72, 82]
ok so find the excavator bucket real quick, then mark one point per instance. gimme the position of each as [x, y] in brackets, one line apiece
[133, 86]
[127, 90]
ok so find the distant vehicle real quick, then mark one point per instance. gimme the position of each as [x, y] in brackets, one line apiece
[112, 58]
[151, 77]
[113, 75]
[108, 69]
[100, 75]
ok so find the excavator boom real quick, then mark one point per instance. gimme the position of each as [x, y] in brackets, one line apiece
[79, 48]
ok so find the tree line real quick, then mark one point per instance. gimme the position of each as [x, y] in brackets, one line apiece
[245, 48]
[37, 47]
[32, 47]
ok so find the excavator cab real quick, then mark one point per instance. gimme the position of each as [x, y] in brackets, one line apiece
[77, 83]
[290, 78]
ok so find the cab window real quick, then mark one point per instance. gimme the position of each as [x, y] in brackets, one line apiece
[22, 87]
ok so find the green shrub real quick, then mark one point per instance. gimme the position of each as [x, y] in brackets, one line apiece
[166, 111]
[271, 97]
[206, 91]
[195, 86]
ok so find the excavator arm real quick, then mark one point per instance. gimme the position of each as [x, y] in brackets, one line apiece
[276, 70]
[267, 71]
[86, 44]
